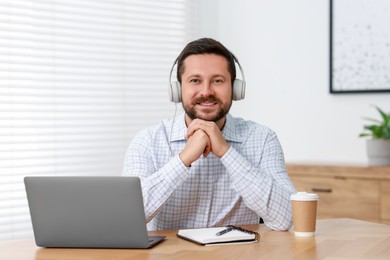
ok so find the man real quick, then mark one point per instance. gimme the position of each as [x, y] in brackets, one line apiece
[206, 168]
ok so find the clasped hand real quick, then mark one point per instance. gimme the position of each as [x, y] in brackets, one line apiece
[203, 137]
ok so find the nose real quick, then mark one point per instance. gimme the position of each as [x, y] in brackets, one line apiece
[207, 89]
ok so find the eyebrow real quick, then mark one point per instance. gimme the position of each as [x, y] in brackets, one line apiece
[194, 75]
[212, 76]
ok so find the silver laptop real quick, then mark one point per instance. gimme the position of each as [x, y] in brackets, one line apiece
[88, 212]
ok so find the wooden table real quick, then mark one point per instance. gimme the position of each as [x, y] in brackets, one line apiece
[334, 239]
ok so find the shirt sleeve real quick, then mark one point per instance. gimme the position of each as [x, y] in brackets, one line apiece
[264, 185]
[157, 184]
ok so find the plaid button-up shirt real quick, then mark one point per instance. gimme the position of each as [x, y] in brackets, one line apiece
[250, 181]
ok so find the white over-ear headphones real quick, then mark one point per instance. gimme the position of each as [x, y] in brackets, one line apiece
[174, 89]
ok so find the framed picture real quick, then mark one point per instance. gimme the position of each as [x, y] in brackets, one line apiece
[359, 46]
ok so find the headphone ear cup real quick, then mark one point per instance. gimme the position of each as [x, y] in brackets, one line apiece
[174, 92]
[238, 89]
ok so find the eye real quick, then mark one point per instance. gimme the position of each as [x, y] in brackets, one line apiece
[218, 80]
[195, 81]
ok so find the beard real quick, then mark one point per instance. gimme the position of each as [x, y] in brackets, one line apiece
[207, 114]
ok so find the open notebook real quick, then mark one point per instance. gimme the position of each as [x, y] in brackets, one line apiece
[212, 236]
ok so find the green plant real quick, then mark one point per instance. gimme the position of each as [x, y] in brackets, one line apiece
[381, 128]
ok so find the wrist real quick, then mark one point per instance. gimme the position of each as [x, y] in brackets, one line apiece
[223, 151]
[184, 160]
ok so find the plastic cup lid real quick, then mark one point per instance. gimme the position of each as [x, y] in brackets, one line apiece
[304, 196]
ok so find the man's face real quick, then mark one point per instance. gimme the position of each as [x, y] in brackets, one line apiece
[206, 87]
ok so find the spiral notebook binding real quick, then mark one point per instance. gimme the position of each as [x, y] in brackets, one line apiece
[257, 235]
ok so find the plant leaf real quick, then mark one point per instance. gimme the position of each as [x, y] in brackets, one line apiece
[376, 130]
[379, 130]
[384, 115]
[372, 119]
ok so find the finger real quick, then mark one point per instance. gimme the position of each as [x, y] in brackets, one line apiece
[207, 150]
[192, 127]
[197, 124]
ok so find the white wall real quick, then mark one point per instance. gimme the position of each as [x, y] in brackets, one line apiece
[284, 49]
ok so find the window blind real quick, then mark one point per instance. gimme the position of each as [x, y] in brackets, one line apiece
[78, 79]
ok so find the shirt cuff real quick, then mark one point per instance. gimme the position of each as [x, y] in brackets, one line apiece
[175, 169]
[234, 161]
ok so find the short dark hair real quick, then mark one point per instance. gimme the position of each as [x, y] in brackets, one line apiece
[206, 46]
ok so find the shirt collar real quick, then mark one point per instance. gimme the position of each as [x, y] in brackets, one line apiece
[229, 130]
[179, 128]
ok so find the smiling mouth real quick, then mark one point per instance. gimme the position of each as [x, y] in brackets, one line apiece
[207, 104]
[209, 101]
